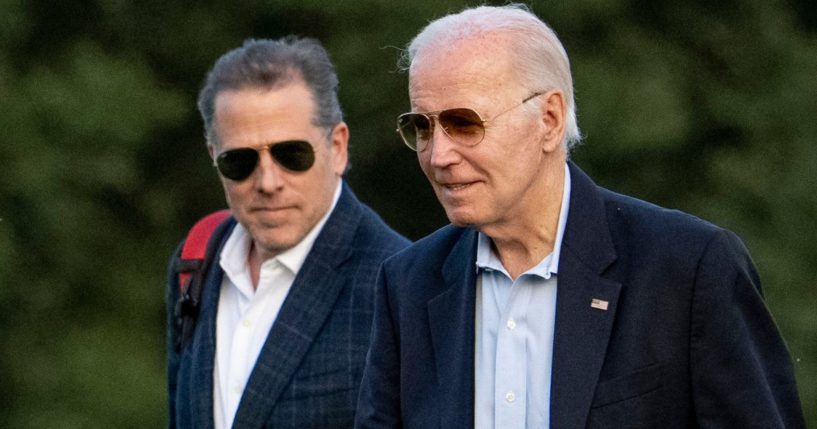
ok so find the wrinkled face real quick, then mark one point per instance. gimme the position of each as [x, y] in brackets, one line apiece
[486, 184]
[278, 206]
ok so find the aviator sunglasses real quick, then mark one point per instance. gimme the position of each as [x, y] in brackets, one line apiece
[462, 125]
[238, 164]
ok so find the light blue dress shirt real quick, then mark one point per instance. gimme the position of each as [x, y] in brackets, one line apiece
[514, 336]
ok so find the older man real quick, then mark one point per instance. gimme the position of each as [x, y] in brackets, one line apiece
[286, 308]
[552, 302]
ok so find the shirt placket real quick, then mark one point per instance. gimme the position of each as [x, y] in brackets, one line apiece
[510, 392]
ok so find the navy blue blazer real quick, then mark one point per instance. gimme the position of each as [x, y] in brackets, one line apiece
[309, 369]
[686, 340]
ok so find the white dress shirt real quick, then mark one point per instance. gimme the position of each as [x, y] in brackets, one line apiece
[514, 336]
[245, 315]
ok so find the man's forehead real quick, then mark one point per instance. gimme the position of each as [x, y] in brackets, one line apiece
[459, 71]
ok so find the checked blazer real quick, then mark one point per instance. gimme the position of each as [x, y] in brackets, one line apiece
[308, 371]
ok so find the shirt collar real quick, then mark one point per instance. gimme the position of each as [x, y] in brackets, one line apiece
[488, 260]
[233, 258]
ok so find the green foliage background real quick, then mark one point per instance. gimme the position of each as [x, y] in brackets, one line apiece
[709, 107]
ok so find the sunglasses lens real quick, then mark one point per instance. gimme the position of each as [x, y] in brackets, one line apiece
[294, 155]
[463, 126]
[237, 164]
[415, 128]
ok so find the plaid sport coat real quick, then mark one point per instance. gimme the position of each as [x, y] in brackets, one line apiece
[308, 372]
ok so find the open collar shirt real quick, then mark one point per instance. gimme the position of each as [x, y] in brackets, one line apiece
[514, 336]
[246, 314]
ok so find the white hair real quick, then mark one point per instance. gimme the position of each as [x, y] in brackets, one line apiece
[541, 59]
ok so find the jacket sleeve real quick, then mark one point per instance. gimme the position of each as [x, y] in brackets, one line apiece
[742, 375]
[171, 296]
[379, 399]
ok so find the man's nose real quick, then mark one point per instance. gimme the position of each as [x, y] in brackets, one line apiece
[268, 174]
[443, 149]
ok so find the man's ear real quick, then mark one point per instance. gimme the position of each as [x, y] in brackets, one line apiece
[554, 115]
[340, 148]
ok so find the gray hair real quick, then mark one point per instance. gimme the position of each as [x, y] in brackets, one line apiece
[269, 64]
[542, 60]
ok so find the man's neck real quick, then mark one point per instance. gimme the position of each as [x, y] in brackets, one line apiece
[524, 240]
[254, 261]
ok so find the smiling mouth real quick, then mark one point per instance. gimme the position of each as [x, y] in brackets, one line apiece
[456, 186]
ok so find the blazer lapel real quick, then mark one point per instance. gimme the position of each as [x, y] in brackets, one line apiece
[585, 305]
[451, 319]
[309, 302]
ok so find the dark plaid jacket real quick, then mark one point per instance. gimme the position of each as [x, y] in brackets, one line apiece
[309, 369]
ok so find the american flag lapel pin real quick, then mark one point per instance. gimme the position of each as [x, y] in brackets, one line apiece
[599, 304]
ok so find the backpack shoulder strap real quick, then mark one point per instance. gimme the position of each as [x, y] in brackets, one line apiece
[194, 250]
[197, 253]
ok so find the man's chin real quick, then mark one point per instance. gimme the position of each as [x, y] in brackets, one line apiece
[273, 239]
[273, 248]
[460, 219]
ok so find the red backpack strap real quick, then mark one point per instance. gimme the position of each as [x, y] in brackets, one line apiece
[190, 267]
[195, 246]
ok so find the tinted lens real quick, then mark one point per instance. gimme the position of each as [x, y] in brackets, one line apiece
[415, 128]
[237, 164]
[293, 155]
[464, 126]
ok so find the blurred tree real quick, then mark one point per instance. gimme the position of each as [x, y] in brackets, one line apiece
[706, 107]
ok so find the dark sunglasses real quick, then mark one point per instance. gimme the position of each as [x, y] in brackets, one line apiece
[463, 125]
[238, 164]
